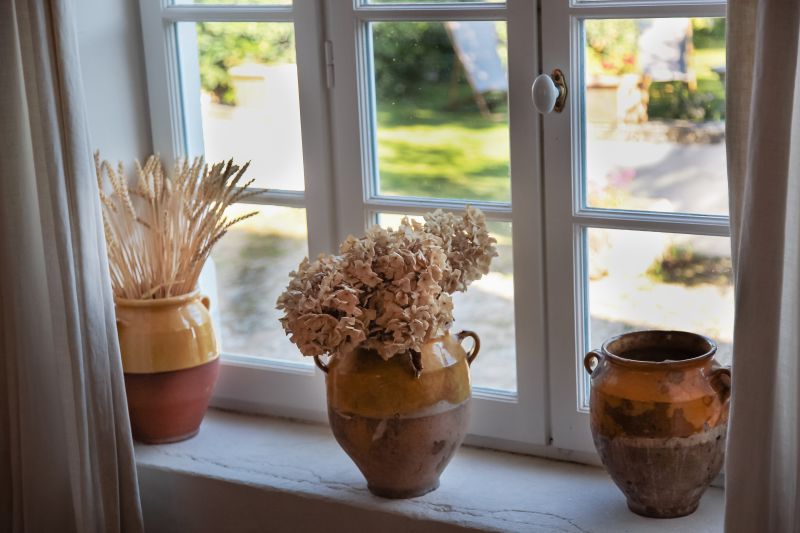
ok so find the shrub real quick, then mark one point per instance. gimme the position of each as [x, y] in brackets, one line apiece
[681, 264]
[222, 45]
[408, 55]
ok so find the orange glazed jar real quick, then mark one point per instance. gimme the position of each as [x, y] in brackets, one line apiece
[659, 417]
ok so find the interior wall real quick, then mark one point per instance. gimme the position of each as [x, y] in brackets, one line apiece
[115, 88]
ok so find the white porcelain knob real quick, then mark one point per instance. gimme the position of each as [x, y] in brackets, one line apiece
[549, 92]
[544, 94]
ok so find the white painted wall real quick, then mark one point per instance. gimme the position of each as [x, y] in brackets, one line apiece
[112, 62]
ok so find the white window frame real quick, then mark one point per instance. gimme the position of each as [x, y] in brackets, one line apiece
[249, 383]
[333, 107]
[515, 421]
[567, 216]
[547, 414]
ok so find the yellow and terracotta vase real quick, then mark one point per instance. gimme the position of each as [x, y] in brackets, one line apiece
[401, 427]
[659, 416]
[171, 363]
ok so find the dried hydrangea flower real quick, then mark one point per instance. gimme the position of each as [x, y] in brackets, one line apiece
[467, 243]
[390, 289]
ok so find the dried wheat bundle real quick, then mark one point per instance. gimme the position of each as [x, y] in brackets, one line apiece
[160, 230]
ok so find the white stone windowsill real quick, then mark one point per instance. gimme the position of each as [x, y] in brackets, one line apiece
[249, 473]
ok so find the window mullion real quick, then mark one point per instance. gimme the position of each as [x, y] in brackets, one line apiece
[391, 204]
[163, 82]
[282, 198]
[315, 127]
[661, 222]
[528, 219]
[351, 159]
[375, 13]
[648, 9]
[214, 13]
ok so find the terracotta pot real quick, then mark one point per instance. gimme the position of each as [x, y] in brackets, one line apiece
[401, 428]
[171, 362]
[659, 416]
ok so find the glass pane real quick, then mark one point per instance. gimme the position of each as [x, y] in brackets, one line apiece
[433, 1]
[646, 280]
[253, 263]
[488, 309]
[249, 98]
[236, 2]
[655, 114]
[442, 109]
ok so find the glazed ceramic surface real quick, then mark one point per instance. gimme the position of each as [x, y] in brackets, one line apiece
[166, 334]
[171, 363]
[659, 417]
[401, 429]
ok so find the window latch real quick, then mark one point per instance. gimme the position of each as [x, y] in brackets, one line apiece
[549, 92]
[329, 64]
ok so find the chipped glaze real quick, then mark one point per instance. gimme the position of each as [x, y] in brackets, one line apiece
[401, 430]
[659, 414]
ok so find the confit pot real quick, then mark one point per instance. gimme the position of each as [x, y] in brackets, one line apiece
[171, 362]
[401, 426]
[659, 417]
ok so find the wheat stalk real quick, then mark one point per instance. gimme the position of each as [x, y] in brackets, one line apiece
[160, 232]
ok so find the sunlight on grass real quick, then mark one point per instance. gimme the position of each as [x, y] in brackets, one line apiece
[443, 154]
[704, 60]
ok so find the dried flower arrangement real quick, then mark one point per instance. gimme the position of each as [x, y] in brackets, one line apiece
[388, 291]
[160, 231]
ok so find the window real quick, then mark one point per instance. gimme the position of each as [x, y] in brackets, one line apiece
[360, 112]
[412, 140]
[246, 80]
[637, 225]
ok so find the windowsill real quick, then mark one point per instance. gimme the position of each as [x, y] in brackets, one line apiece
[248, 473]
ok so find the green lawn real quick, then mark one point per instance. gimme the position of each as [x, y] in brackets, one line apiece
[426, 148]
[703, 61]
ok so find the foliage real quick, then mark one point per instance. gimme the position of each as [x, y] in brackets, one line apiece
[222, 45]
[611, 46]
[406, 56]
[708, 33]
[410, 55]
[674, 100]
[681, 264]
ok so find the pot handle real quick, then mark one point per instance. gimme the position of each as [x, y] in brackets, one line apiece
[206, 301]
[322, 366]
[596, 357]
[476, 347]
[720, 380]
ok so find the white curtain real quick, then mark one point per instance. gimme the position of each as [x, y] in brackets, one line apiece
[763, 143]
[66, 456]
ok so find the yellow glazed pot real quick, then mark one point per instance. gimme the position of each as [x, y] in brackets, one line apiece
[171, 362]
[401, 429]
[659, 416]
